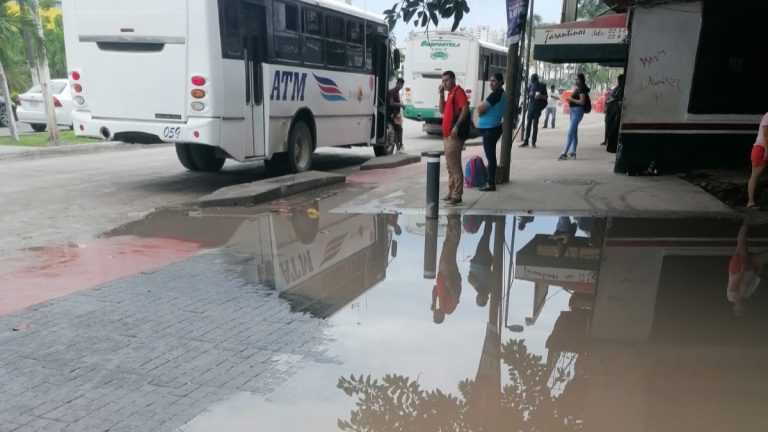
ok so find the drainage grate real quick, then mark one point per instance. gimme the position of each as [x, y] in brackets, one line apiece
[574, 182]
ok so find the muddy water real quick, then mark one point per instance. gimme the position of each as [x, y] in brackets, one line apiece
[499, 323]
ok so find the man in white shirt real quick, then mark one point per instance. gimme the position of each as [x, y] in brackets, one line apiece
[554, 96]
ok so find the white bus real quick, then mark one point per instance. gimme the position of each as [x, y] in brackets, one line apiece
[249, 80]
[427, 56]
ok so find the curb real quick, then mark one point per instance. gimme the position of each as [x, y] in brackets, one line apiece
[270, 189]
[73, 150]
[391, 161]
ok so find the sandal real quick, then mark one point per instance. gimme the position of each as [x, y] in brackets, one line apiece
[753, 207]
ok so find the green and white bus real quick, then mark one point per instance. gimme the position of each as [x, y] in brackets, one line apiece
[429, 55]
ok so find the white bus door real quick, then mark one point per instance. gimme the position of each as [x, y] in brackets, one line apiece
[255, 25]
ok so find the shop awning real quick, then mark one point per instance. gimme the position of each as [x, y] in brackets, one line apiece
[601, 40]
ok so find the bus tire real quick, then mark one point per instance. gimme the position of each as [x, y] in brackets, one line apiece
[300, 148]
[204, 157]
[184, 154]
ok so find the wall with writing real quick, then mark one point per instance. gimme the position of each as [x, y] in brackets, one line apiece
[662, 57]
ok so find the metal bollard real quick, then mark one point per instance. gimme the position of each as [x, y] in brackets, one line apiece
[433, 183]
[430, 249]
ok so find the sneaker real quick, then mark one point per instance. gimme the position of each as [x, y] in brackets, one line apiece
[533, 145]
[525, 144]
[572, 156]
[453, 203]
[562, 157]
[544, 127]
[487, 188]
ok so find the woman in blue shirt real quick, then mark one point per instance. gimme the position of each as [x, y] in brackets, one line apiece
[491, 113]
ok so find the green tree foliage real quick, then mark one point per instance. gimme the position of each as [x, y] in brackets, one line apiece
[400, 404]
[588, 9]
[427, 12]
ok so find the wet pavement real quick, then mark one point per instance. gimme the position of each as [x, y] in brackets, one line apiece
[291, 317]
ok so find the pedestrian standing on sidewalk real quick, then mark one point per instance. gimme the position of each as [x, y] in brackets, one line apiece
[576, 103]
[537, 101]
[491, 112]
[759, 156]
[455, 111]
[554, 97]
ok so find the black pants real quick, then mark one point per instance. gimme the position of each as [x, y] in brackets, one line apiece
[532, 122]
[490, 138]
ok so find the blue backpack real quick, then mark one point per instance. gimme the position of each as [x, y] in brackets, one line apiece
[475, 173]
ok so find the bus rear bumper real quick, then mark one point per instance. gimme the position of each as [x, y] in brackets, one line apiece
[198, 130]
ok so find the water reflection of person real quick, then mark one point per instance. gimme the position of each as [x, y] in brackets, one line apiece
[522, 221]
[480, 266]
[743, 272]
[565, 231]
[392, 221]
[447, 289]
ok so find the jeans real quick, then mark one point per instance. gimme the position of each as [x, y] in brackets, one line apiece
[577, 113]
[490, 138]
[532, 122]
[552, 111]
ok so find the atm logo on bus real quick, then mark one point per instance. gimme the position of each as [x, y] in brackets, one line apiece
[329, 90]
[287, 84]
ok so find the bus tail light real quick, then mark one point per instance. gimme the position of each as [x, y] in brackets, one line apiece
[76, 75]
[196, 134]
[469, 92]
[56, 102]
[198, 106]
[79, 100]
[198, 94]
[198, 81]
[78, 88]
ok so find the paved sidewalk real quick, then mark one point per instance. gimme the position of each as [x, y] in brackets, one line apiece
[149, 353]
[543, 185]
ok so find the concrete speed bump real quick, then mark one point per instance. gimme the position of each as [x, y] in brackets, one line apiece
[391, 161]
[270, 189]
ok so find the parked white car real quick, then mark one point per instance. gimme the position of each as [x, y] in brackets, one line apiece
[32, 110]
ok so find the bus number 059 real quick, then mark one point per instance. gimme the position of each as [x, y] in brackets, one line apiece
[172, 132]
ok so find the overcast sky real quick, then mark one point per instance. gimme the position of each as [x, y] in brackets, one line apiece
[482, 12]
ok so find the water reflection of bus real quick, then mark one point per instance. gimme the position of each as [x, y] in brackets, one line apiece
[348, 256]
[317, 260]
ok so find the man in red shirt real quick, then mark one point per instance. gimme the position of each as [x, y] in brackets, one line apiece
[447, 289]
[455, 110]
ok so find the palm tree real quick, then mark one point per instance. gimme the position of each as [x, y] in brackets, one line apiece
[12, 25]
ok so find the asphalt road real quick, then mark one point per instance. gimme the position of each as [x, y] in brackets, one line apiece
[74, 198]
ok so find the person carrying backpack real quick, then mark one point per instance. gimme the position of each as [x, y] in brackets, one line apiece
[579, 103]
[491, 112]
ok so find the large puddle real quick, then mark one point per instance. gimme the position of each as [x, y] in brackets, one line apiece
[502, 322]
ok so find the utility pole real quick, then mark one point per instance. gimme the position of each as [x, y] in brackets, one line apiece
[527, 63]
[511, 113]
[45, 79]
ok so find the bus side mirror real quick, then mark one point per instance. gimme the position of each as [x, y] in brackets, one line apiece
[396, 60]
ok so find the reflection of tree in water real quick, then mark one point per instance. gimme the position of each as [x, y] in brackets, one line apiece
[397, 403]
